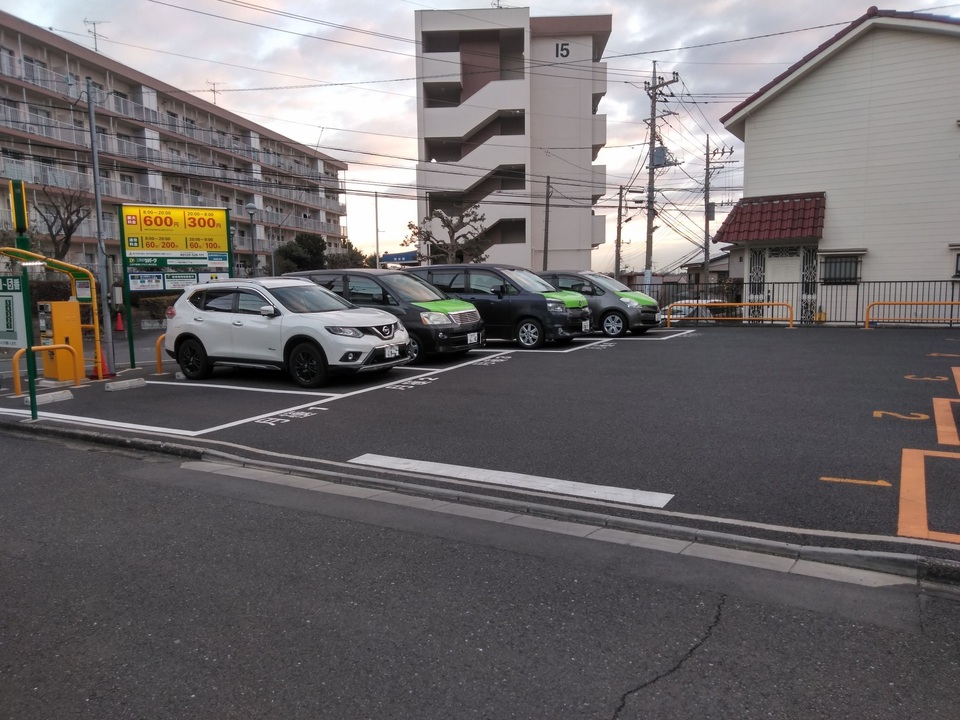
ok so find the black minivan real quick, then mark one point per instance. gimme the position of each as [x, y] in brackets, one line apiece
[435, 322]
[514, 303]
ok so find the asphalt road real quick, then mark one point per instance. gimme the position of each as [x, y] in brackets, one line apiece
[816, 436]
[133, 585]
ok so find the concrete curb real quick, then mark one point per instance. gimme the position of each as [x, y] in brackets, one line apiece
[919, 567]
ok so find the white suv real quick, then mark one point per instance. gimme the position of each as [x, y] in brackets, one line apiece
[284, 323]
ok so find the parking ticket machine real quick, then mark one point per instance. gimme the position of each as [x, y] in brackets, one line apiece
[60, 325]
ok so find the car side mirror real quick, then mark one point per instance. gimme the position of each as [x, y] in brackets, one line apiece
[268, 311]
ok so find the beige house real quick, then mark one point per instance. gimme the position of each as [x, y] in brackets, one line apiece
[852, 168]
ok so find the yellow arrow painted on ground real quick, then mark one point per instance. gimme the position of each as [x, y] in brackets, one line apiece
[877, 483]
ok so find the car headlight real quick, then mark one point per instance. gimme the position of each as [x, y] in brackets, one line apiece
[630, 302]
[556, 306]
[434, 318]
[344, 331]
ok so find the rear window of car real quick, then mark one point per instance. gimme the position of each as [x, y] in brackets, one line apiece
[450, 280]
[214, 299]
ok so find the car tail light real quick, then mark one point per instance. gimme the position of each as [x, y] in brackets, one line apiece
[171, 313]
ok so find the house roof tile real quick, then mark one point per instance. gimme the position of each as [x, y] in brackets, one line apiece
[774, 217]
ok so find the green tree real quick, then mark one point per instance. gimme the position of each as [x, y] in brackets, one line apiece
[351, 257]
[305, 252]
[463, 238]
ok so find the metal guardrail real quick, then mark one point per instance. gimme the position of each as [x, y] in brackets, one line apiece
[15, 363]
[738, 318]
[819, 302]
[867, 318]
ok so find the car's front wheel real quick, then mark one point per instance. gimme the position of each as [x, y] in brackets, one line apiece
[529, 334]
[415, 349]
[613, 325]
[192, 359]
[307, 365]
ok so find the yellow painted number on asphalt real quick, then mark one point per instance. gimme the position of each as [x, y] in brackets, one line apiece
[876, 483]
[900, 416]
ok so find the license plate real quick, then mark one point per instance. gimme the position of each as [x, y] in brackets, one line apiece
[392, 351]
[473, 338]
[659, 317]
[586, 326]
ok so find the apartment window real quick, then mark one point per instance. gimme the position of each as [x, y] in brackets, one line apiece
[6, 61]
[956, 270]
[840, 269]
[33, 69]
[127, 185]
[189, 127]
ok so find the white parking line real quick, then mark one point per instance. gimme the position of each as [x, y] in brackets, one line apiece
[518, 480]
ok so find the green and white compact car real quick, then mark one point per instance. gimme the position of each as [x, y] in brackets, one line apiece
[615, 307]
[436, 322]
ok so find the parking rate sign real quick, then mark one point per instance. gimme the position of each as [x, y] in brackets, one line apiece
[170, 236]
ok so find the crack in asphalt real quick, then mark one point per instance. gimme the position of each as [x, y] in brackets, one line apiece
[686, 656]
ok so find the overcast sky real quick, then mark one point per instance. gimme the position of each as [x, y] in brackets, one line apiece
[339, 76]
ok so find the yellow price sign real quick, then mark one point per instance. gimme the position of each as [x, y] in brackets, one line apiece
[168, 230]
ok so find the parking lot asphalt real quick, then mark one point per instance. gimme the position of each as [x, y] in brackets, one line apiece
[844, 439]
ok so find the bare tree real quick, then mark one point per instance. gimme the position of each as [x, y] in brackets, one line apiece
[464, 238]
[62, 213]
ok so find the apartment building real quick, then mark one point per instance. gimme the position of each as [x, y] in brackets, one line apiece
[507, 118]
[155, 144]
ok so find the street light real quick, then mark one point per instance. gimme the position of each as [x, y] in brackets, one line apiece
[251, 211]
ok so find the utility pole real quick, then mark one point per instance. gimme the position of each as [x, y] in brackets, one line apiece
[619, 245]
[708, 210]
[107, 346]
[546, 225]
[653, 88]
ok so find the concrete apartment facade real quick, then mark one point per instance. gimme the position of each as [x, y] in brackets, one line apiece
[507, 119]
[156, 145]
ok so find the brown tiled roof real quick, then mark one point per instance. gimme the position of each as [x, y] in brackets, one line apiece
[774, 217]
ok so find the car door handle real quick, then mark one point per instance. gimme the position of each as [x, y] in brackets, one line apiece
[237, 323]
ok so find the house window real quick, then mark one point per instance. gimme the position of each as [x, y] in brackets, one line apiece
[956, 270]
[840, 270]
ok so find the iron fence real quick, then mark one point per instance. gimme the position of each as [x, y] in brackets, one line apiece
[904, 302]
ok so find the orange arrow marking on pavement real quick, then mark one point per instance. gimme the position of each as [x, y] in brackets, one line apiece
[877, 483]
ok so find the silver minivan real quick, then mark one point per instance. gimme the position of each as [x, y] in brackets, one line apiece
[615, 307]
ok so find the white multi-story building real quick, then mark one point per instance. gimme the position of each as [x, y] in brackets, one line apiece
[156, 145]
[507, 118]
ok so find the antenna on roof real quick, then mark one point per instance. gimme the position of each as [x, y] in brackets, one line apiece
[94, 31]
[214, 84]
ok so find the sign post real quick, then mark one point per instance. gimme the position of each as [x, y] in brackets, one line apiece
[161, 243]
[18, 209]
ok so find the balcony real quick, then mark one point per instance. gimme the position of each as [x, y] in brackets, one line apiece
[442, 67]
[462, 121]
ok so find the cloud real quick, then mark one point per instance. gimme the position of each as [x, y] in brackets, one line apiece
[339, 76]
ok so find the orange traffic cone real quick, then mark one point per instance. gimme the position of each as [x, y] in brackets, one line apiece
[119, 326]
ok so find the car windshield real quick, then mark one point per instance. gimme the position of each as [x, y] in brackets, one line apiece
[308, 299]
[528, 281]
[411, 288]
[608, 283]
